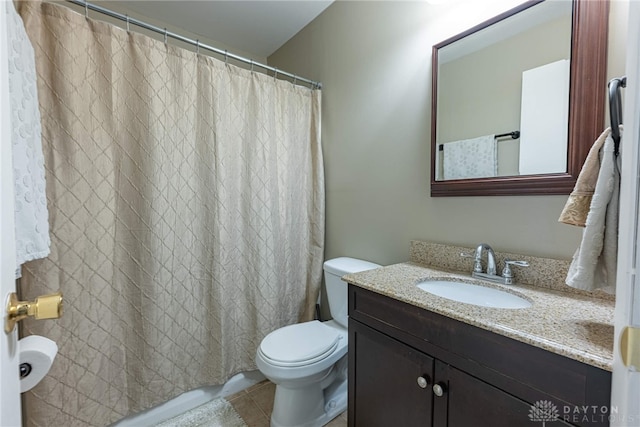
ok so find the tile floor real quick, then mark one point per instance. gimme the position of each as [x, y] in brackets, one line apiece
[254, 405]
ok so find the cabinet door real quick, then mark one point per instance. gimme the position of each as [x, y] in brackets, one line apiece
[469, 401]
[385, 388]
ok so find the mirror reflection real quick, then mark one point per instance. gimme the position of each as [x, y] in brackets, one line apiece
[503, 97]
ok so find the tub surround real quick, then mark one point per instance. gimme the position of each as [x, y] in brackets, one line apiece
[565, 321]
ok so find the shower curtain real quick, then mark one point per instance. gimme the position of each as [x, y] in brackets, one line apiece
[186, 201]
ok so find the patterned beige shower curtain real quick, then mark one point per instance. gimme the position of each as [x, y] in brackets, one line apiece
[186, 202]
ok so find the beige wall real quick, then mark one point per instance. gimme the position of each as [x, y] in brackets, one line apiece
[374, 61]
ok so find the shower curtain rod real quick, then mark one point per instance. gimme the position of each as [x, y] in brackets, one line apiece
[89, 6]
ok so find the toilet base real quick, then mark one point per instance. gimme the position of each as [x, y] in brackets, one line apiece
[308, 407]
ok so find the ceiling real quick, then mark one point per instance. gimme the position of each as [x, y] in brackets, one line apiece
[257, 27]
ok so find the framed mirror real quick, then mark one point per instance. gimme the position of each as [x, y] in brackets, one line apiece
[518, 100]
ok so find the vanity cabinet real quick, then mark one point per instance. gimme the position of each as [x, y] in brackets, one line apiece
[399, 352]
[386, 391]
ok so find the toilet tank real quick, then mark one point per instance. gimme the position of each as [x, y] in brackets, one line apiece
[337, 295]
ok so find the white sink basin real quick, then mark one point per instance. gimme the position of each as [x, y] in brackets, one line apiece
[473, 294]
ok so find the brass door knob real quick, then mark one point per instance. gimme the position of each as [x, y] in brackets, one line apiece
[44, 307]
[630, 347]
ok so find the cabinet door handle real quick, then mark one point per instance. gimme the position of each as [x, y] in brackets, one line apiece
[438, 389]
[423, 381]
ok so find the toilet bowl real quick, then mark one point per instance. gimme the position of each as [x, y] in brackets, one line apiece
[308, 361]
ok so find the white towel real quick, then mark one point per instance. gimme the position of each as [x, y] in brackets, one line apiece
[31, 215]
[594, 263]
[578, 204]
[471, 158]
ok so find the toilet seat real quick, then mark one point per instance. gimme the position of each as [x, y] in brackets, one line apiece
[300, 344]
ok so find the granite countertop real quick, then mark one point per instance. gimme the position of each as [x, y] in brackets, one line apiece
[576, 326]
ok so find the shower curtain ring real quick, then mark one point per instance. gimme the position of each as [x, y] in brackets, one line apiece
[226, 57]
[128, 27]
[198, 47]
[165, 36]
[251, 61]
[275, 74]
[295, 79]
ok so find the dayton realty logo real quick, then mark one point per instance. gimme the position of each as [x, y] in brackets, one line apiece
[543, 411]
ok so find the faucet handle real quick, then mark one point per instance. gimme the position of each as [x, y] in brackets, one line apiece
[477, 266]
[506, 271]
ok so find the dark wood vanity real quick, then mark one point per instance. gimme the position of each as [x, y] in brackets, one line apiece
[398, 352]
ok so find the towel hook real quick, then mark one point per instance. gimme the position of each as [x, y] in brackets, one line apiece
[615, 110]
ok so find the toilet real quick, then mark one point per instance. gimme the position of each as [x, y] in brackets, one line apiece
[308, 361]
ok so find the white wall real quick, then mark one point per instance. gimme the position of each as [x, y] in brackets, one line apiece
[374, 59]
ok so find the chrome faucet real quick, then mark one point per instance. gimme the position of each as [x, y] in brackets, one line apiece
[477, 257]
[490, 274]
[491, 257]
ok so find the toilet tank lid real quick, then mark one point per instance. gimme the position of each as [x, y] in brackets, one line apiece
[344, 265]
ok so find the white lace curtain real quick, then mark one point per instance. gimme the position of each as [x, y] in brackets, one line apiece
[186, 203]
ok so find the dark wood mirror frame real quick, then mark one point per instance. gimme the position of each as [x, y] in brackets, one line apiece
[587, 97]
